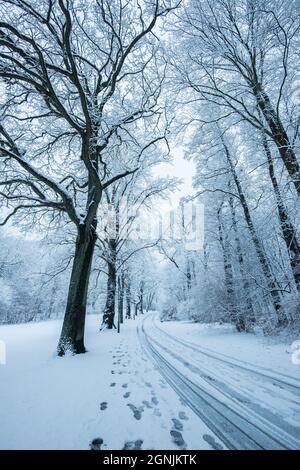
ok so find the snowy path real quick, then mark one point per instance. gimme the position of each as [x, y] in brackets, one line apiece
[113, 395]
[248, 407]
[142, 389]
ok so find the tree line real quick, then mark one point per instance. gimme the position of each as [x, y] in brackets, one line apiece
[95, 94]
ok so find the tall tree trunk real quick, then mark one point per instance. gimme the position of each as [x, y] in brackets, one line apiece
[149, 301]
[279, 135]
[205, 260]
[52, 301]
[247, 319]
[128, 300]
[188, 276]
[121, 297]
[72, 335]
[141, 304]
[228, 272]
[272, 286]
[288, 230]
[136, 308]
[194, 275]
[109, 311]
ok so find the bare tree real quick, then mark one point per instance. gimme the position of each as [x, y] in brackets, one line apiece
[241, 57]
[77, 81]
[129, 199]
[288, 230]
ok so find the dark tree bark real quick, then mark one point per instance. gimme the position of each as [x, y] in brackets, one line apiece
[149, 301]
[52, 301]
[136, 308]
[109, 311]
[205, 259]
[188, 276]
[288, 230]
[279, 135]
[271, 283]
[248, 319]
[72, 335]
[121, 297]
[128, 300]
[141, 303]
[234, 316]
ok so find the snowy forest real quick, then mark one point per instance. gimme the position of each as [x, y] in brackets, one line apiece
[149, 224]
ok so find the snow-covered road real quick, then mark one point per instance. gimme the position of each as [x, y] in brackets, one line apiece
[156, 385]
[246, 406]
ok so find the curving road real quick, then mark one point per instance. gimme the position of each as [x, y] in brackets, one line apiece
[246, 406]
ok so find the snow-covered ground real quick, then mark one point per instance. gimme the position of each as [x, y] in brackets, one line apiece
[154, 386]
[113, 393]
[270, 352]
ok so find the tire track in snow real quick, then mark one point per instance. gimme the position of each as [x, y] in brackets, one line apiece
[232, 423]
[281, 379]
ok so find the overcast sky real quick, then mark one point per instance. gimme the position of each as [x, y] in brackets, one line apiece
[179, 168]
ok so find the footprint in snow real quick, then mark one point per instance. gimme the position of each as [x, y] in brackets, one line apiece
[211, 441]
[147, 404]
[177, 424]
[124, 385]
[103, 405]
[113, 384]
[178, 439]
[183, 416]
[137, 412]
[96, 444]
[126, 395]
[154, 400]
[133, 445]
[162, 385]
[157, 413]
